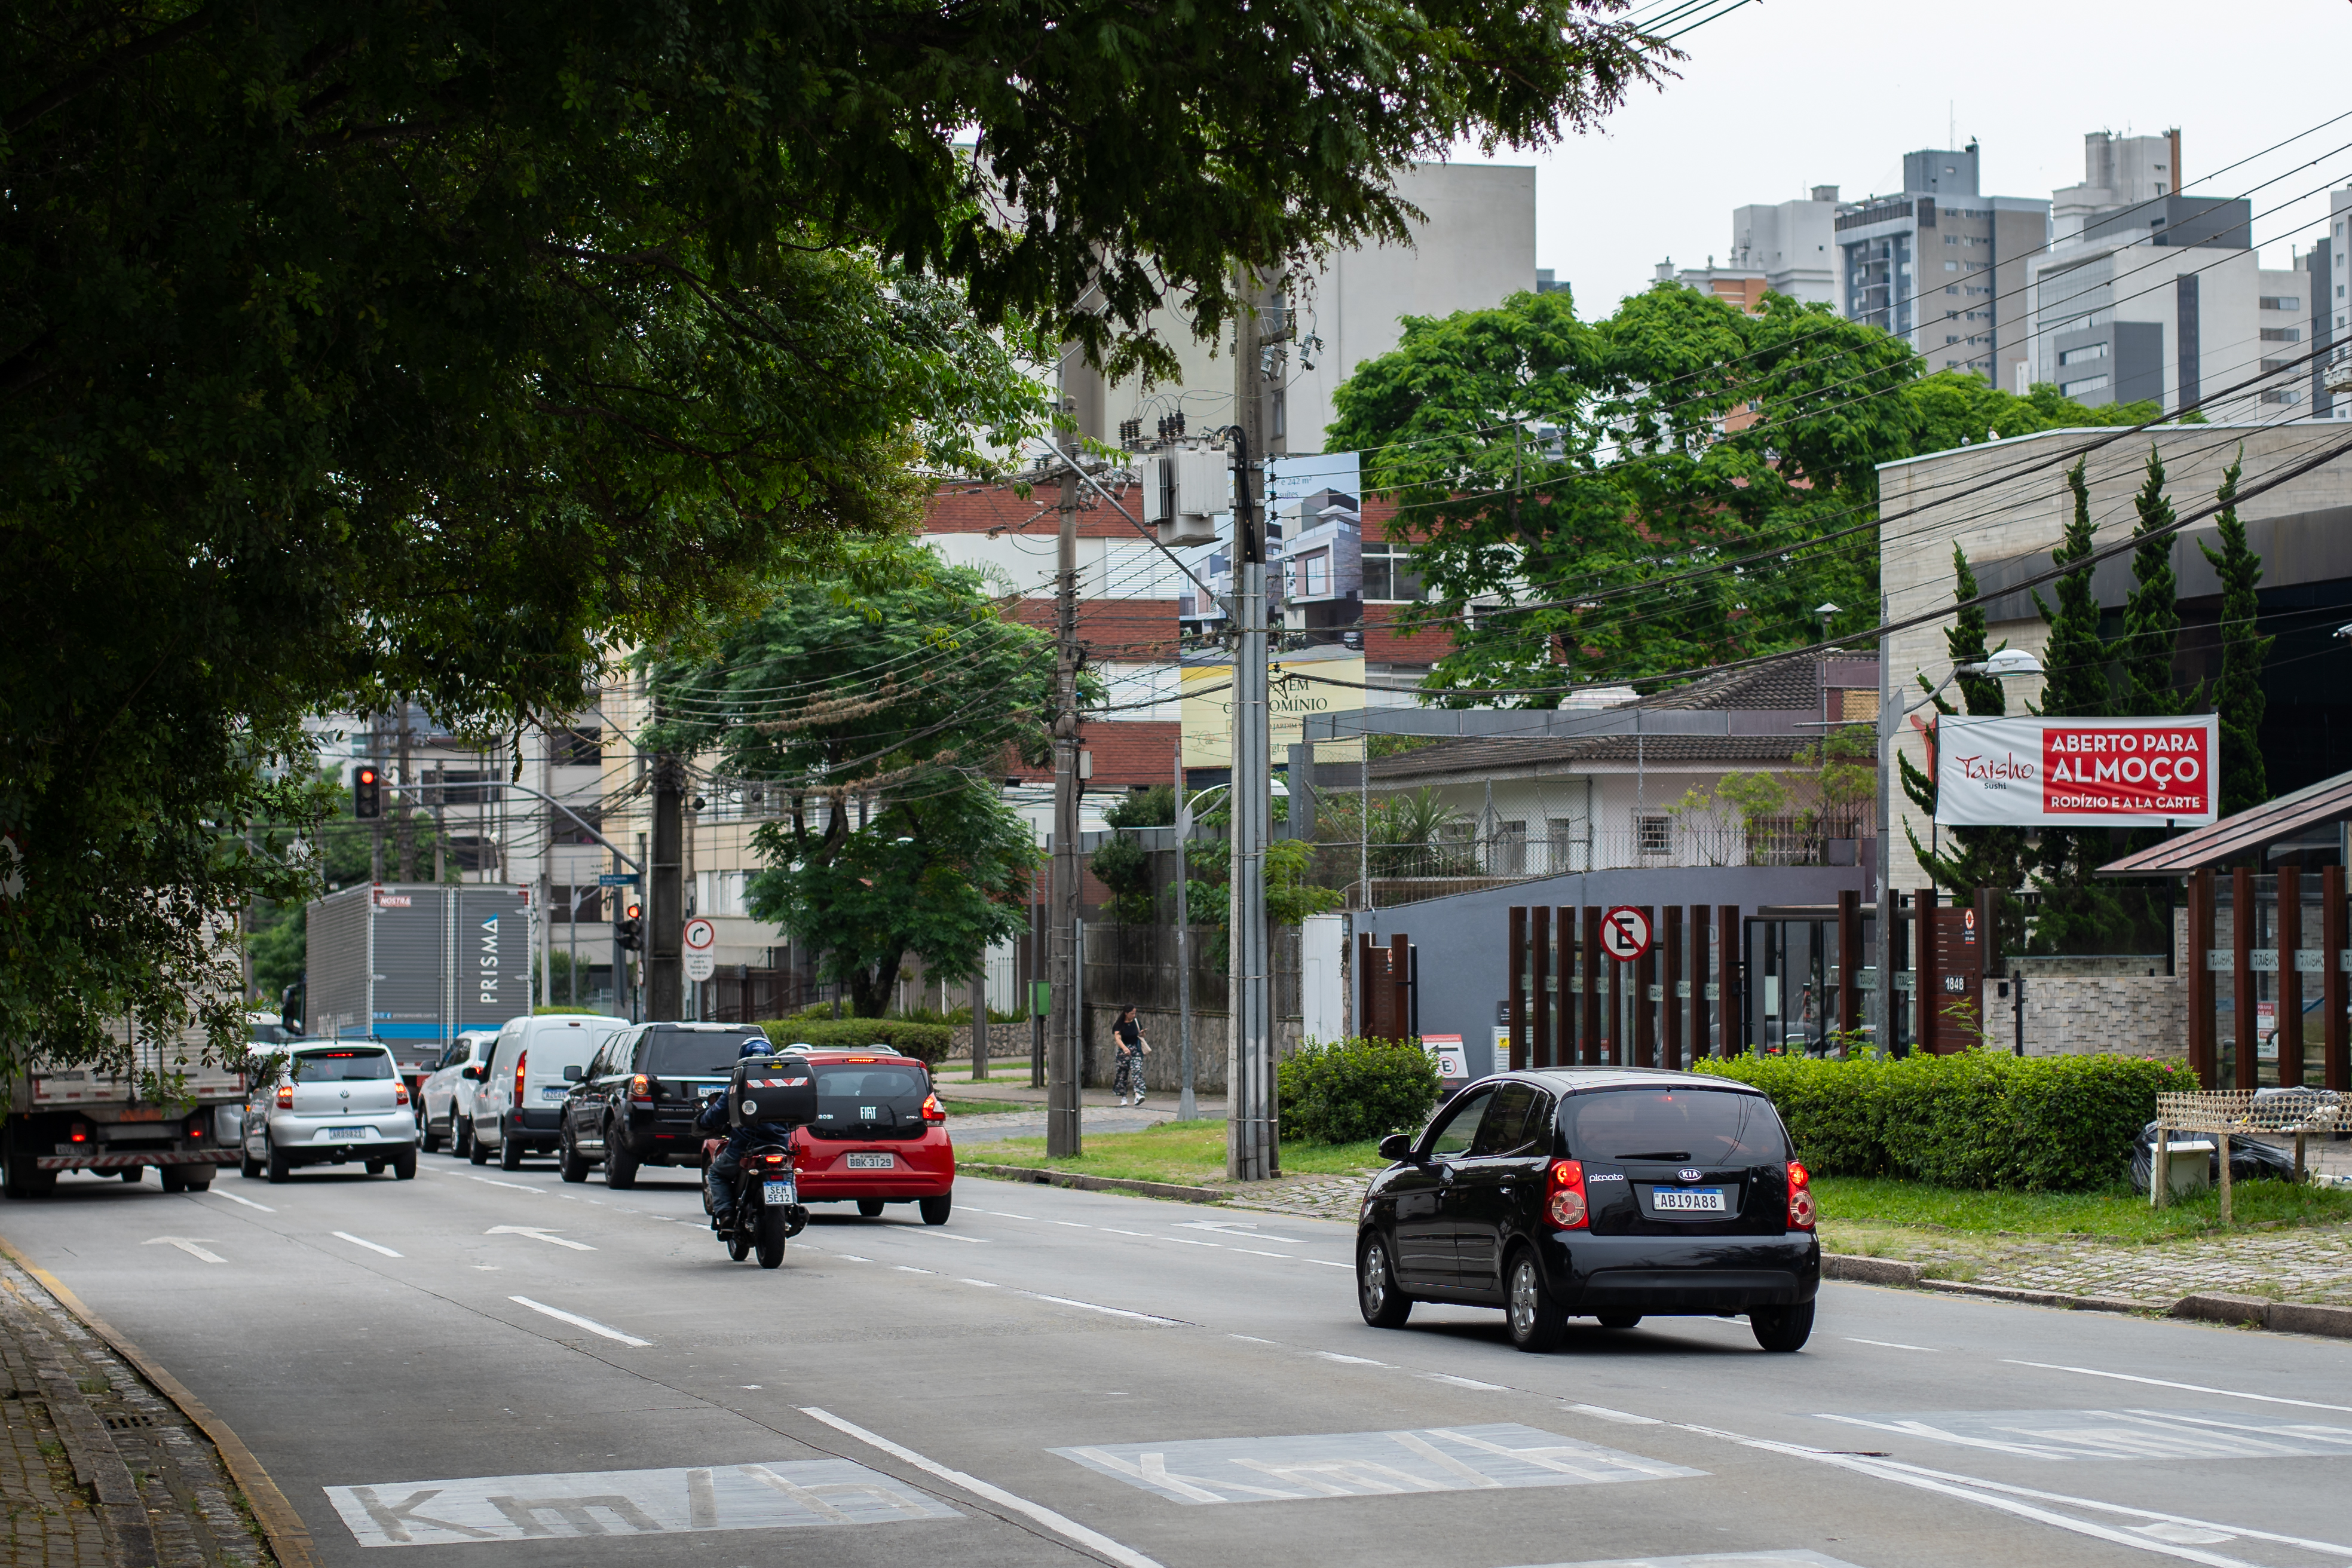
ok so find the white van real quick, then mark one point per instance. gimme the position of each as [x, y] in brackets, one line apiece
[519, 1097]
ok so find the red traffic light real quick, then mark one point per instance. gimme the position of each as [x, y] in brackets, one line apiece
[367, 794]
[635, 909]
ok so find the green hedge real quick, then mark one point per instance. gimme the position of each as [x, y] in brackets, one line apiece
[1977, 1119]
[1351, 1089]
[926, 1043]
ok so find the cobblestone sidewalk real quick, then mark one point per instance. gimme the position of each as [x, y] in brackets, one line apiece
[98, 1470]
[2309, 1263]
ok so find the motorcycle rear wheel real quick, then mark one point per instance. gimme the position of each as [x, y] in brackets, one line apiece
[739, 1233]
[773, 1228]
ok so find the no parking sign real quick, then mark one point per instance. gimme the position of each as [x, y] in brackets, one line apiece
[1625, 933]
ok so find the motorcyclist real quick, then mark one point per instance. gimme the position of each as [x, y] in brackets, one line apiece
[725, 1147]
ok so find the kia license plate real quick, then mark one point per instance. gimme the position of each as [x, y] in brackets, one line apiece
[1688, 1200]
[349, 1131]
[872, 1162]
[777, 1194]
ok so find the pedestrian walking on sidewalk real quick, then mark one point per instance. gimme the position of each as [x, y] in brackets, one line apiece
[1127, 1075]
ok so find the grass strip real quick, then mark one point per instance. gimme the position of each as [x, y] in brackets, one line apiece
[2108, 1214]
[1191, 1153]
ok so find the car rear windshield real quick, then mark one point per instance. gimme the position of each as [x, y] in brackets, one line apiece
[851, 1093]
[1698, 1125]
[691, 1054]
[340, 1067]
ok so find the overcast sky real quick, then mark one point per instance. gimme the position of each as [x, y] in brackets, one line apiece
[1781, 95]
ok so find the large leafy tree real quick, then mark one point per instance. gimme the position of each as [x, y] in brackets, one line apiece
[1552, 465]
[441, 347]
[2238, 695]
[873, 727]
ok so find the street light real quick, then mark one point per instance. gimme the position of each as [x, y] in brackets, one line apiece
[2000, 665]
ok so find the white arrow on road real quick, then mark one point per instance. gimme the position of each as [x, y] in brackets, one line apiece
[187, 1243]
[536, 1233]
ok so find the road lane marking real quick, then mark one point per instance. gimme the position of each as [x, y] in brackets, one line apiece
[607, 1503]
[983, 1284]
[1251, 1338]
[1328, 1263]
[1464, 1382]
[1967, 1489]
[186, 1244]
[1366, 1464]
[943, 1236]
[1891, 1345]
[1033, 1219]
[518, 1186]
[910, 1269]
[576, 1320]
[2190, 1387]
[1349, 1360]
[362, 1241]
[1188, 1241]
[1098, 1307]
[1094, 1541]
[1623, 1417]
[1241, 1230]
[537, 1233]
[231, 1197]
[2125, 1434]
[1146, 1235]
[1253, 1252]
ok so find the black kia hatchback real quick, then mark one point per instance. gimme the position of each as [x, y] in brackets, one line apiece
[1603, 1192]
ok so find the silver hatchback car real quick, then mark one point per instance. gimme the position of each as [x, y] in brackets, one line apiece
[330, 1103]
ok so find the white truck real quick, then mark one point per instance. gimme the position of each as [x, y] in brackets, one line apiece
[83, 1119]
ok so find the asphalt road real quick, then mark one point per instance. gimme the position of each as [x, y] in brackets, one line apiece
[1060, 1377]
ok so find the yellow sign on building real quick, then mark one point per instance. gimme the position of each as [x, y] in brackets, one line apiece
[1296, 687]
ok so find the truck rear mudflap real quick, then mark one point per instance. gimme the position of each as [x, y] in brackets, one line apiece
[126, 1162]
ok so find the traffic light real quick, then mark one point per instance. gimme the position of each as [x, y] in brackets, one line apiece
[367, 794]
[630, 926]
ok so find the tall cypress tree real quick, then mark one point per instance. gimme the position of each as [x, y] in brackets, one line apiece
[1978, 857]
[2079, 913]
[2238, 696]
[2152, 614]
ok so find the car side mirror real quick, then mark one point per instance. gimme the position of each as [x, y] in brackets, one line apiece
[571, 1075]
[471, 1074]
[1397, 1146]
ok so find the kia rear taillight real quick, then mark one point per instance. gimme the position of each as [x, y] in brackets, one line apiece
[932, 1110]
[641, 1089]
[1800, 1197]
[400, 1094]
[1564, 1205]
[521, 1062]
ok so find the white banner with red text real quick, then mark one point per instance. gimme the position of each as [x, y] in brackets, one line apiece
[2104, 772]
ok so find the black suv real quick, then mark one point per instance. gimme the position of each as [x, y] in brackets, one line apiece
[635, 1104]
[1602, 1193]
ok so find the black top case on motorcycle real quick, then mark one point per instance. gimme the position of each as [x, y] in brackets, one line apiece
[768, 1090]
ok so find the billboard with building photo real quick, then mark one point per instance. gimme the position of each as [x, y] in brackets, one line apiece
[2104, 772]
[1298, 684]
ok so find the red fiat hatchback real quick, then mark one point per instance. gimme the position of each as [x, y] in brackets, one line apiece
[880, 1136]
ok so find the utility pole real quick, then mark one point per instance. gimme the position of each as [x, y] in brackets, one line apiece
[375, 828]
[1187, 1108]
[1065, 1048]
[403, 825]
[664, 928]
[1890, 732]
[1252, 1139]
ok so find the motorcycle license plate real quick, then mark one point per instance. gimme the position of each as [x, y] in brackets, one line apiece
[871, 1162]
[780, 1194]
[1689, 1200]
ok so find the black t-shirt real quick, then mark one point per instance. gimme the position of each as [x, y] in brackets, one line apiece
[1129, 1032]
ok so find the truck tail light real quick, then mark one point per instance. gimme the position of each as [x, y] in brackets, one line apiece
[1800, 1197]
[1564, 1205]
[81, 1133]
[521, 1062]
[932, 1110]
[400, 1094]
[641, 1090]
[285, 1097]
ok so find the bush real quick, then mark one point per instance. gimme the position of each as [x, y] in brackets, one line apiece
[1354, 1090]
[1977, 1119]
[926, 1043]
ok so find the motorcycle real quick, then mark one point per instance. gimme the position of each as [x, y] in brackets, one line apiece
[767, 1210]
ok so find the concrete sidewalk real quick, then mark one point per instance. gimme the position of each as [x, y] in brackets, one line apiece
[99, 1470]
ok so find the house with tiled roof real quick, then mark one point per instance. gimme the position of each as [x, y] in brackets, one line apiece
[1647, 783]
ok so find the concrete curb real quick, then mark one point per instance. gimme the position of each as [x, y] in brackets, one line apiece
[1038, 1176]
[97, 1462]
[1869, 1270]
[289, 1538]
[2279, 1317]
